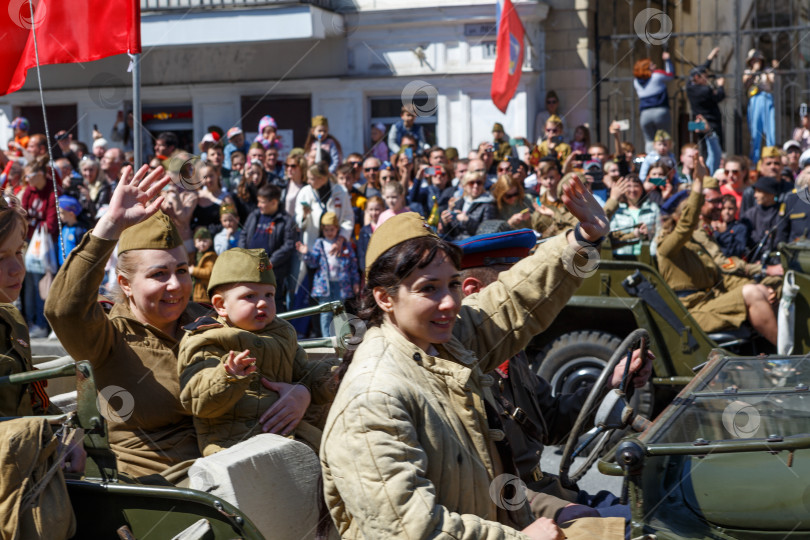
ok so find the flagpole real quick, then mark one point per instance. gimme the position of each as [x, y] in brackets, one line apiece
[137, 128]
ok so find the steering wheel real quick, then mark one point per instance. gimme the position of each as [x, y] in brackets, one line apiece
[614, 412]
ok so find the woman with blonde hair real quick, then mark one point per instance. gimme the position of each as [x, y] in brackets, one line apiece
[514, 206]
[461, 219]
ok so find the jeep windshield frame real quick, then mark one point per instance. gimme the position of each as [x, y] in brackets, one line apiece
[737, 404]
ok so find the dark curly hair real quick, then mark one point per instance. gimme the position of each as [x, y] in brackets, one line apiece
[390, 269]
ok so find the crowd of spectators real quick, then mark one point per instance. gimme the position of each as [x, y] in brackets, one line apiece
[314, 208]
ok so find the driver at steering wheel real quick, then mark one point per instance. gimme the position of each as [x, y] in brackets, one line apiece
[530, 415]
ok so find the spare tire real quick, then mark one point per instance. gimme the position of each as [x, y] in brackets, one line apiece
[575, 360]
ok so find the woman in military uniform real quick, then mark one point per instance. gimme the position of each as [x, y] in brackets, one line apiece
[408, 449]
[715, 300]
[133, 346]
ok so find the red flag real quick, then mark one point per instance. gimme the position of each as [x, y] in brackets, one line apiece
[68, 31]
[509, 55]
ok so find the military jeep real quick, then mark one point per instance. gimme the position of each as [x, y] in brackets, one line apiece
[727, 458]
[108, 505]
[621, 294]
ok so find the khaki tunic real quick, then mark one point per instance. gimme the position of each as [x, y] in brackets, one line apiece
[406, 451]
[149, 430]
[713, 298]
[15, 357]
[728, 265]
[226, 409]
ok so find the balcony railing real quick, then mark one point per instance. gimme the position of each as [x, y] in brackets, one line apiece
[170, 5]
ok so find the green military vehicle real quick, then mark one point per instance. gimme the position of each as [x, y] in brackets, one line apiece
[619, 295]
[724, 460]
[107, 505]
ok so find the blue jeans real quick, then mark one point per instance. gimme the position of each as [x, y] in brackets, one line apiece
[326, 318]
[651, 120]
[32, 302]
[761, 121]
[713, 151]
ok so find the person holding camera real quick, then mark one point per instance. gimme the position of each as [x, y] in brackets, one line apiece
[705, 97]
[552, 144]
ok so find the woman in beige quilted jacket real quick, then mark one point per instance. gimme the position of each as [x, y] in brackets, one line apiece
[407, 450]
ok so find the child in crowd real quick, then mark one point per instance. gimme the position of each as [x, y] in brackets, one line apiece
[337, 276]
[394, 197]
[374, 207]
[319, 133]
[205, 258]
[20, 126]
[223, 362]
[662, 149]
[272, 229]
[406, 126]
[267, 136]
[582, 139]
[731, 235]
[228, 237]
[378, 148]
[72, 230]
[345, 179]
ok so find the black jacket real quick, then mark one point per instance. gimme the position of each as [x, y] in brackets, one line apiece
[281, 246]
[482, 209]
[548, 419]
[762, 222]
[794, 219]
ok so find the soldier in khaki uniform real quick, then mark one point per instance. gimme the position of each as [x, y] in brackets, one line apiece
[224, 361]
[408, 448]
[503, 150]
[703, 235]
[133, 347]
[716, 300]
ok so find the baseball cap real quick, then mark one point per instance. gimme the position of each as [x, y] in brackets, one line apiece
[792, 144]
[234, 131]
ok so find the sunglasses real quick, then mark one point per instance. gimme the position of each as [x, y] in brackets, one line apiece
[510, 195]
[290, 165]
[371, 169]
[732, 172]
[475, 183]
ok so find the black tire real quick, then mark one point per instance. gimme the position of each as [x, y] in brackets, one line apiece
[576, 359]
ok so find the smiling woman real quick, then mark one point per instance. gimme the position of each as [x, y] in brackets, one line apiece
[407, 450]
[133, 347]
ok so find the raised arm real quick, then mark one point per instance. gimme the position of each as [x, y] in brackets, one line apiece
[72, 308]
[499, 321]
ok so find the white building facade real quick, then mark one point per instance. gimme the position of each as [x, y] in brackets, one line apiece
[354, 62]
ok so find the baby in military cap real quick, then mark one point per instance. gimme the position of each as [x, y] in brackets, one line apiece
[228, 365]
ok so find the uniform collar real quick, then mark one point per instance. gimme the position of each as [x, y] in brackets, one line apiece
[453, 358]
[193, 311]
